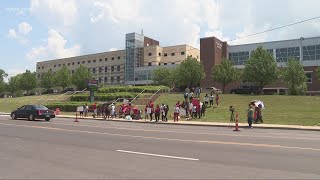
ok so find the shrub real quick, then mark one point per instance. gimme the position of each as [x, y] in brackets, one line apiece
[135, 89]
[103, 96]
[65, 106]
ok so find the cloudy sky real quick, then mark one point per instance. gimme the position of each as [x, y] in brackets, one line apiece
[38, 30]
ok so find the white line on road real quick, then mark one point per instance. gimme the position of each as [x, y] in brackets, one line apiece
[158, 155]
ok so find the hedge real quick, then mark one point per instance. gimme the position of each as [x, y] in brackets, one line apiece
[103, 96]
[65, 106]
[135, 89]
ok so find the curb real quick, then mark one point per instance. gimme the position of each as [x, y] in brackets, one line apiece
[188, 124]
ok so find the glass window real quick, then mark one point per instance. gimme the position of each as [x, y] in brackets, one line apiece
[105, 69]
[112, 79]
[173, 54]
[149, 64]
[105, 59]
[54, 65]
[72, 71]
[173, 63]
[78, 62]
[310, 53]
[105, 79]
[83, 62]
[283, 54]
[93, 70]
[182, 53]
[165, 54]
[309, 77]
[118, 57]
[59, 65]
[94, 60]
[165, 63]
[112, 58]
[38, 67]
[89, 61]
[72, 63]
[112, 68]
[159, 54]
[118, 68]
[68, 64]
[100, 60]
[149, 54]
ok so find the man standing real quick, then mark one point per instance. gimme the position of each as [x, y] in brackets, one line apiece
[95, 110]
[250, 116]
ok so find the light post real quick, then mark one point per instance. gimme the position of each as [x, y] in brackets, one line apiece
[301, 50]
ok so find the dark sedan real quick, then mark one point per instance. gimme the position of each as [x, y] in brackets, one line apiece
[32, 112]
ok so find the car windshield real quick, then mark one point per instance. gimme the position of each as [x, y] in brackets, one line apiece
[40, 107]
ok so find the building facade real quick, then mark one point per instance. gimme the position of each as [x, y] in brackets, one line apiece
[132, 66]
[306, 50]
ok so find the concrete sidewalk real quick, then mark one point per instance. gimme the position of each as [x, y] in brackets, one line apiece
[198, 123]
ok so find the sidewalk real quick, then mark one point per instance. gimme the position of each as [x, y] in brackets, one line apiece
[199, 123]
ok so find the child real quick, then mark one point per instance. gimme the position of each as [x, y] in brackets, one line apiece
[176, 113]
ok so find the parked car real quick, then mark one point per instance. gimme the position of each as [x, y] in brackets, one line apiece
[212, 89]
[32, 112]
[246, 89]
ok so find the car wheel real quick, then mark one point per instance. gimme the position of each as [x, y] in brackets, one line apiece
[31, 117]
[47, 119]
[13, 116]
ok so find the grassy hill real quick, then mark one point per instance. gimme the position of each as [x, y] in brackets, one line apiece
[291, 110]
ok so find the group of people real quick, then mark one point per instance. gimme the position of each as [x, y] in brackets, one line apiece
[158, 111]
[254, 114]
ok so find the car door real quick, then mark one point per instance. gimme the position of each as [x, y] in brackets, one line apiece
[20, 112]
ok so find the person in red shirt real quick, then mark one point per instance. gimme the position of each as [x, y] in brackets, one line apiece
[217, 99]
[157, 113]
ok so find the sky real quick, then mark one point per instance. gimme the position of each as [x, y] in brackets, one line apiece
[39, 30]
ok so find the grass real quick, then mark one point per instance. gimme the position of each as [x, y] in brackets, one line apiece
[289, 110]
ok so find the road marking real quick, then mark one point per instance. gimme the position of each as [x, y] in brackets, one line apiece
[158, 155]
[168, 139]
[186, 132]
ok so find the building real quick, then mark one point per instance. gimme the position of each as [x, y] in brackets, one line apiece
[307, 50]
[132, 66]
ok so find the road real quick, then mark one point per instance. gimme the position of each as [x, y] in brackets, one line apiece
[63, 149]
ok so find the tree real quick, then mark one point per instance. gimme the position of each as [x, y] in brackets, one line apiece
[28, 81]
[261, 68]
[3, 74]
[294, 77]
[47, 80]
[190, 72]
[225, 73]
[80, 76]
[164, 76]
[13, 84]
[63, 77]
[318, 73]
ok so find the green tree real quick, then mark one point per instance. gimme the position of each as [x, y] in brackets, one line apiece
[48, 80]
[80, 76]
[28, 81]
[14, 84]
[63, 77]
[190, 72]
[225, 73]
[294, 77]
[164, 76]
[3, 74]
[261, 68]
[318, 73]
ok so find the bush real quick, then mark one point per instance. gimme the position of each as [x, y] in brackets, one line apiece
[135, 89]
[103, 96]
[65, 106]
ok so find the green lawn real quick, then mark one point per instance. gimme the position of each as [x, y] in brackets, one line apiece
[290, 110]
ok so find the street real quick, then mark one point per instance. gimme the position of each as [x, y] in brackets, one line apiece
[63, 149]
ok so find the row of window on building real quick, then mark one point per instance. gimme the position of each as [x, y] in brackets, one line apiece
[310, 53]
[113, 79]
[166, 54]
[82, 62]
[105, 69]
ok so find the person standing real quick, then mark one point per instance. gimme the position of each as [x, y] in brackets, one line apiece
[113, 111]
[95, 110]
[250, 116]
[176, 113]
[217, 99]
[166, 110]
[206, 99]
[157, 113]
[86, 109]
[211, 98]
[146, 113]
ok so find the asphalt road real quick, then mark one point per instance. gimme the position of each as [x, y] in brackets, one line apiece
[62, 149]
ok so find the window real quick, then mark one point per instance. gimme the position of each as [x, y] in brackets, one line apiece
[72, 71]
[112, 68]
[78, 62]
[112, 58]
[239, 58]
[311, 53]
[119, 57]
[93, 70]
[159, 54]
[105, 69]
[100, 60]
[165, 54]
[68, 64]
[112, 79]
[173, 63]
[83, 62]
[100, 69]
[309, 77]
[283, 54]
[149, 64]
[182, 53]
[42, 67]
[100, 80]
[94, 60]
[89, 61]
[105, 79]
[165, 63]
[38, 67]
[38, 75]
[59, 65]
[72, 63]
[54, 65]
[118, 78]
[118, 68]
[149, 54]
[105, 59]
[159, 64]
[173, 54]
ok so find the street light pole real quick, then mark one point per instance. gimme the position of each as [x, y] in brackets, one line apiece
[301, 50]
